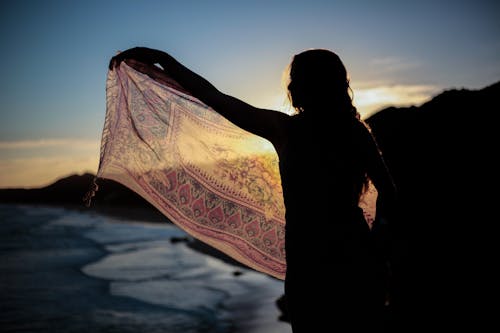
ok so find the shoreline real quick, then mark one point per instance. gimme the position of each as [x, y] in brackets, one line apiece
[98, 274]
[150, 215]
[142, 215]
[42, 279]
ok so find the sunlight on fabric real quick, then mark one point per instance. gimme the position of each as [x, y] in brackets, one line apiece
[217, 182]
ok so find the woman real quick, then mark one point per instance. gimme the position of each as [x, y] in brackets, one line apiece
[327, 155]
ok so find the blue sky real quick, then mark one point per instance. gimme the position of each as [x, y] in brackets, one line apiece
[55, 54]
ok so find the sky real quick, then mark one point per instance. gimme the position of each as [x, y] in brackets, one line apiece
[55, 54]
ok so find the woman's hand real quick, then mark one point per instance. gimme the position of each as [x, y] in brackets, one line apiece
[142, 54]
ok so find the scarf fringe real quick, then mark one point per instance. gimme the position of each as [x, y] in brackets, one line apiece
[93, 188]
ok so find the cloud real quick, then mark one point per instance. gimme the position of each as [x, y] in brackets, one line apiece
[39, 171]
[34, 163]
[46, 143]
[371, 99]
[48, 148]
[393, 64]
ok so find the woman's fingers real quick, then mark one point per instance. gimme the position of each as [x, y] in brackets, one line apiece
[127, 54]
[116, 60]
[142, 54]
[112, 64]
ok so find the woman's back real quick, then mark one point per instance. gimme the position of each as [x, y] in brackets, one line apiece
[323, 162]
[324, 168]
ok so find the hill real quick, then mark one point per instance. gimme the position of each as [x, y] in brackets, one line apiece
[112, 198]
[440, 155]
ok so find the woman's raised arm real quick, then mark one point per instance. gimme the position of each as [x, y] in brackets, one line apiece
[262, 122]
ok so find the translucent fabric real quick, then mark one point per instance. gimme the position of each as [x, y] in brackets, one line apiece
[214, 180]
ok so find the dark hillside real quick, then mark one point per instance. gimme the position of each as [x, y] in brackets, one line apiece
[441, 156]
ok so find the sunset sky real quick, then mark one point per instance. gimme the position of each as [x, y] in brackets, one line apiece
[55, 55]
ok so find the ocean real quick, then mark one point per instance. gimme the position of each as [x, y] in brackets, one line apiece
[64, 270]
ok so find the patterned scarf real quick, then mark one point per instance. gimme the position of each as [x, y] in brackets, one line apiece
[217, 182]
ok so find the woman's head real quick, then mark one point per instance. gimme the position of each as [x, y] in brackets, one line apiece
[318, 78]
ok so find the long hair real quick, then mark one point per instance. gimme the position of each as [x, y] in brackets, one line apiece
[317, 77]
[318, 87]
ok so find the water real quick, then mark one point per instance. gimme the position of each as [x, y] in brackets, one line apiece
[68, 271]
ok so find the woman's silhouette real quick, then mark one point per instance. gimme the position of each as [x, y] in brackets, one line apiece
[327, 155]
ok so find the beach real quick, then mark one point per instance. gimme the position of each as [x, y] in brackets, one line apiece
[65, 270]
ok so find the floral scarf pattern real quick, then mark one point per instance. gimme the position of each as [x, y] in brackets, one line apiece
[214, 180]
